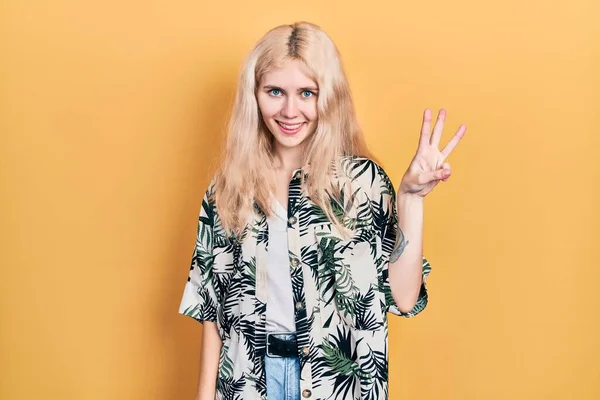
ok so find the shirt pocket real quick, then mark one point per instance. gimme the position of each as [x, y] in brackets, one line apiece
[348, 280]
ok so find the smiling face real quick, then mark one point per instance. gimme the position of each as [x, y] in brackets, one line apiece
[287, 99]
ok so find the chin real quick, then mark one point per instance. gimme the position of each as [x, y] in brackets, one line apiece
[290, 142]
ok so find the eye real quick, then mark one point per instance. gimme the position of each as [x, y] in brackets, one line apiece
[307, 93]
[274, 92]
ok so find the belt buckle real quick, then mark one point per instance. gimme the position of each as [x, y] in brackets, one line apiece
[275, 333]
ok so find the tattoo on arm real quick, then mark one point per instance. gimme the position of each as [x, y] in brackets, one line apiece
[401, 244]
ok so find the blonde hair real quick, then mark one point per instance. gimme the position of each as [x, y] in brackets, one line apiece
[243, 177]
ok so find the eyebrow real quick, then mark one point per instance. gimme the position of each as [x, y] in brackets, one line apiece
[311, 88]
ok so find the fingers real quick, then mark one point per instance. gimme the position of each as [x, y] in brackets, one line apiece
[425, 128]
[454, 141]
[446, 171]
[441, 174]
[438, 128]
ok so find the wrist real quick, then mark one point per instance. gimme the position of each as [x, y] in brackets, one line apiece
[408, 198]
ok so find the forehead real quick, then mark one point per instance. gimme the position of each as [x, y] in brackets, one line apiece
[292, 74]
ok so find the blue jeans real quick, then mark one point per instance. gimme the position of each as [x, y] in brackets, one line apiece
[283, 378]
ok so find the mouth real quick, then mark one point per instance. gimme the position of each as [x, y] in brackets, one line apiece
[290, 129]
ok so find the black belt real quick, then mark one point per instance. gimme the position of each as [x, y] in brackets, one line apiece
[278, 346]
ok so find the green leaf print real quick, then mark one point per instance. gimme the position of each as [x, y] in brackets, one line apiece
[346, 291]
[338, 361]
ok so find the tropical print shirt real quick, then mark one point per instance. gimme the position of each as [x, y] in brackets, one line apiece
[340, 288]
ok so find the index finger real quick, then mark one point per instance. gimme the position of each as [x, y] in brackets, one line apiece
[425, 128]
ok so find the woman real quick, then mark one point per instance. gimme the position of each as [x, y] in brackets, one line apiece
[303, 246]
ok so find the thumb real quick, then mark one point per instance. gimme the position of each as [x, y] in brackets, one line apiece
[439, 174]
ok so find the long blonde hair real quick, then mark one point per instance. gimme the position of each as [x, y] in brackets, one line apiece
[243, 177]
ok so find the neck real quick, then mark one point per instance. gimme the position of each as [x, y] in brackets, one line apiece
[287, 159]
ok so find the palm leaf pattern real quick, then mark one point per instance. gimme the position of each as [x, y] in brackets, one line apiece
[344, 292]
[339, 275]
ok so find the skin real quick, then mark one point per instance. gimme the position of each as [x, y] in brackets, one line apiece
[286, 95]
[289, 95]
[210, 351]
[426, 170]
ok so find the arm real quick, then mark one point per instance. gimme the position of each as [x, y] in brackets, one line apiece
[209, 361]
[405, 273]
[201, 300]
[426, 170]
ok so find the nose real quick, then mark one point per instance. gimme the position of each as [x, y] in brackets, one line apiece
[290, 108]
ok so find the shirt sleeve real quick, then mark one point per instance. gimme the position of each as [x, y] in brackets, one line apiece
[199, 299]
[388, 228]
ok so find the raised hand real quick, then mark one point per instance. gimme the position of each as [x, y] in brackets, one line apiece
[428, 166]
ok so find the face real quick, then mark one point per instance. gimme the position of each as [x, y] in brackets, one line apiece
[287, 99]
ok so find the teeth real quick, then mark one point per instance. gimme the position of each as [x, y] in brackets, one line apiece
[290, 127]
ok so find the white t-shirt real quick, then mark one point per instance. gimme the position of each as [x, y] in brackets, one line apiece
[280, 302]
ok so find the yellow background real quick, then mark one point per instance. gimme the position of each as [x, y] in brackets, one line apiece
[111, 115]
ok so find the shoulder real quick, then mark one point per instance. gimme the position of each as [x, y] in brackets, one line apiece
[368, 174]
[208, 206]
[211, 188]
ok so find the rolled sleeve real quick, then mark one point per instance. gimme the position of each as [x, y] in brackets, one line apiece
[422, 300]
[199, 299]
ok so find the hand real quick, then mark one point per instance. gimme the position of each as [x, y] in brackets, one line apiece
[428, 168]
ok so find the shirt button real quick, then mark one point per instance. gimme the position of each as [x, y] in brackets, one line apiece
[306, 393]
[295, 262]
[263, 317]
[299, 306]
[305, 351]
[292, 220]
[298, 175]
